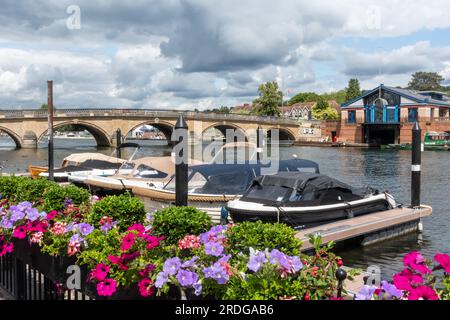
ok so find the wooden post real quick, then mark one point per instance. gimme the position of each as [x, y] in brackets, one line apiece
[416, 162]
[259, 143]
[51, 163]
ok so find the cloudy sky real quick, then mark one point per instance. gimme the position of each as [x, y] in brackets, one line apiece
[186, 54]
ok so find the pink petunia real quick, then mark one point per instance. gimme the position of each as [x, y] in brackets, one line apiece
[407, 279]
[52, 215]
[128, 242]
[444, 261]
[415, 261]
[146, 288]
[137, 227]
[100, 272]
[423, 293]
[20, 232]
[107, 287]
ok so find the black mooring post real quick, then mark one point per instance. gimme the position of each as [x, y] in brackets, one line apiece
[118, 143]
[416, 163]
[51, 163]
[341, 275]
[259, 143]
[181, 162]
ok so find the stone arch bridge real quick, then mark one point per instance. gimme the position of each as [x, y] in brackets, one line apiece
[27, 127]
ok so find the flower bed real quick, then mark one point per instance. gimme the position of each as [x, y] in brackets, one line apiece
[172, 253]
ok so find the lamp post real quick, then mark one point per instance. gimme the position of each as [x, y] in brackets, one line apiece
[416, 162]
[51, 164]
[181, 162]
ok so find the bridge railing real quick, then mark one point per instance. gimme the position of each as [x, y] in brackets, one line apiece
[142, 113]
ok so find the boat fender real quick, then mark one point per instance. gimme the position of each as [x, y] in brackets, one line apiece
[420, 226]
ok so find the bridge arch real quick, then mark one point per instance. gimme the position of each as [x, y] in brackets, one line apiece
[223, 127]
[17, 140]
[285, 134]
[165, 127]
[102, 138]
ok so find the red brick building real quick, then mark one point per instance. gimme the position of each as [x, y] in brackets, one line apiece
[385, 115]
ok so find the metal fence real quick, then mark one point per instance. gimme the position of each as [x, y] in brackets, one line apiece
[23, 282]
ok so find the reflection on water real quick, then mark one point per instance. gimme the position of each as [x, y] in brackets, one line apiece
[383, 169]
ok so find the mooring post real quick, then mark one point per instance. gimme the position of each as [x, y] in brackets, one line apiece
[341, 275]
[259, 143]
[181, 162]
[118, 143]
[416, 162]
[51, 164]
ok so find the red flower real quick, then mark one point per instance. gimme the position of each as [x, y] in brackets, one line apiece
[118, 261]
[306, 297]
[146, 288]
[444, 261]
[127, 242]
[52, 214]
[423, 293]
[107, 288]
[415, 261]
[100, 272]
[340, 263]
[406, 280]
[20, 232]
[137, 227]
[144, 273]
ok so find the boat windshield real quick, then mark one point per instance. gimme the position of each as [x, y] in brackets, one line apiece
[145, 172]
[268, 193]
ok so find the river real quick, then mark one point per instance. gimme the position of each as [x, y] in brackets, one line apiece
[382, 169]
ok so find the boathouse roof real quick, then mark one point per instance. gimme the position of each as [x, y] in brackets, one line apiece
[408, 97]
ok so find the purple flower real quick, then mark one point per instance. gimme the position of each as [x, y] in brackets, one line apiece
[67, 202]
[391, 290]
[7, 223]
[85, 228]
[108, 226]
[23, 206]
[216, 272]
[296, 263]
[366, 293]
[161, 279]
[256, 261]
[279, 258]
[70, 227]
[213, 249]
[225, 258]
[186, 278]
[76, 238]
[190, 263]
[32, 214]
[16, 213]
[171, 266]
[198, 288]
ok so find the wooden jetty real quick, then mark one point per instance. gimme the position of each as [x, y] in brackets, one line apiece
[369, 228]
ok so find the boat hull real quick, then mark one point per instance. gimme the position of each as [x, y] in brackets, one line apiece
[306, 219]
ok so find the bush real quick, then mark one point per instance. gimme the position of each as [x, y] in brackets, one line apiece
[9, 185]
[55, 196]
[124, 209]
[32, 190]
[259, 236]
[176, 222]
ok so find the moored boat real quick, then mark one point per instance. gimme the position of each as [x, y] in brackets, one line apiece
[432, 141]
[211, 186]
[304, 200]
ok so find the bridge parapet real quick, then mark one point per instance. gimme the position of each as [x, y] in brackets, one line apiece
[130, 113]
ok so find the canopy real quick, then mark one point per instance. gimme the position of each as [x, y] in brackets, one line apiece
[82, 157]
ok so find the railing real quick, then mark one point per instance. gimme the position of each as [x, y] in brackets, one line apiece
[129, 113]
[28, 277]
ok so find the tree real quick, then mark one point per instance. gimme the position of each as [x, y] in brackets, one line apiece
[44, 106]
[353, 89]
[270, 97]
[423, 81]
[304, 97]
[323, 111]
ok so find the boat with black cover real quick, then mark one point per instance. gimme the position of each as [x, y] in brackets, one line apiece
[304, 200]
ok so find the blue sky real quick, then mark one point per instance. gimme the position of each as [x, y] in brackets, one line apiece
[186, 54]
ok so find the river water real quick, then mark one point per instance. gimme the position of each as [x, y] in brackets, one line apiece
[382, 169]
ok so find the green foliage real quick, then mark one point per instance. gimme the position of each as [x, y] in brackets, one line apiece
[176, 222]
[55, 195]
[423, 81]
[270, 97]
[125, 209]
[259, 236]
[323, 111]
[339, 96]
[101, 245]
[221, 110]
[353, 89]
[9, 185]
[304, 97]
[33, 190]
